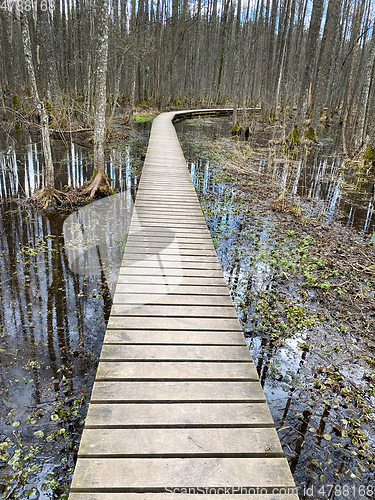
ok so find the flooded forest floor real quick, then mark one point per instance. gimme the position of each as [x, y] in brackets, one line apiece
[294, 232]
[304, 290]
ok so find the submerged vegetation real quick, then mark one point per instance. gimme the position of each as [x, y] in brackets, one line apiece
[52, 319]
[304, 290]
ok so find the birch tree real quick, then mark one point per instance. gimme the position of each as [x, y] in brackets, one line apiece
[49, 188]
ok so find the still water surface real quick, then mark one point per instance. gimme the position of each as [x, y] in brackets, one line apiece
[53, 319]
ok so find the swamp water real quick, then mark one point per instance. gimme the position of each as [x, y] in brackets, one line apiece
[307, 312]
[53, 320]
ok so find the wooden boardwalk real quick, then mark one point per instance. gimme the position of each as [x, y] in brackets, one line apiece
[176, 403]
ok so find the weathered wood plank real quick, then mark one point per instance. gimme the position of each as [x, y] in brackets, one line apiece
[170, 259]
[145, 253]
[178, 229]
[179, 415]
[205, 392]
[171, 224]
[174, 337]
[181, 323]
[170, 271]
[175, 370]
[175, 353]
[185, 280]
[170, 299]
[171, 250]
[147, 232]
[121, 443]
[189, 311]
[159, 474]
[181, 247]
[165, 288]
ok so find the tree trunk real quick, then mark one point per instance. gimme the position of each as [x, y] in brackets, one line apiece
[49, 188]
[325, 59]
[116, 89]
[365, 94]
[101, 99]
[312, 41]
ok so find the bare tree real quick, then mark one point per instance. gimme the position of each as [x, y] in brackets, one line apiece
[49, 187]
[100, 178]
[365, 94]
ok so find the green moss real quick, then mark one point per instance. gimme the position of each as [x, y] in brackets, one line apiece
[142, 118]
[293, 137]
[49, 108]
[237, 129]
[370, 154]
[63, 119]
[16, 104]
[311, 135]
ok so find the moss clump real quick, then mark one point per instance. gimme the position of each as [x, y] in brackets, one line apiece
[16, 104]
[293, 137]
[142, 118]
[49, 108]
[311, 135]
[237, 129]
[370, 155]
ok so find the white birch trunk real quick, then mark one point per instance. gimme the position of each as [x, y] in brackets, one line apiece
[49, 187]
[101, 86]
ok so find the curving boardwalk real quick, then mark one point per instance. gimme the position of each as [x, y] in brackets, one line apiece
[176, 404]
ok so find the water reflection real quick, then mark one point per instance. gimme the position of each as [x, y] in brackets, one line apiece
[95, 237]
[305, 385]
[322, 176]
[52, 319]
[22, 168]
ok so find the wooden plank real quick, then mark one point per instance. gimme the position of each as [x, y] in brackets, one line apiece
[170, 246]
[175, 370]
[179, 290]
[144, 253]
[204, 392]
[194, 442]
[174, 225]
[179, 415]
[168, 236]
[175, 353]
[168, 310]
[170, 258]
[186, 280]
[182, 323]
[157, 474]
[168, 224]
[159, 268]
[175, 337]
[178, 247]
[161, 230]
[170, 299]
